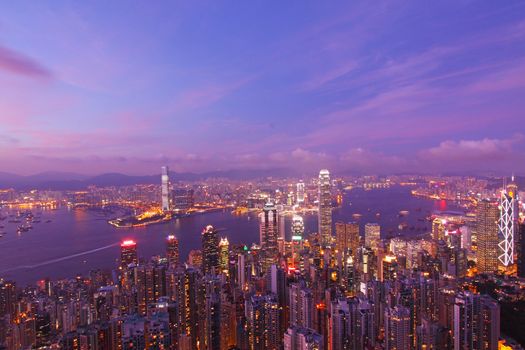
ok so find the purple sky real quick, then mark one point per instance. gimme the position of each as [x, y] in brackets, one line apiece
[103, 86]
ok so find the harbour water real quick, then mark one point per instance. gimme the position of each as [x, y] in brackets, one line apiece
[76, 241]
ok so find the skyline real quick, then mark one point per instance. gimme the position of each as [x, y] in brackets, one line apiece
[388, 87]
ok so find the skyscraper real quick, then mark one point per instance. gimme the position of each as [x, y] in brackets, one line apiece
[487, 215]
[397, 328]
[262, 316]
[301, 306]
[347, 238]
[165, 189]
[128, 253]
[224, 254]
[172, 250]
[507, 224]
[210, 250]
[325, 207]
[300, 192]
[269, 233]
[300, 338]
[372, 235]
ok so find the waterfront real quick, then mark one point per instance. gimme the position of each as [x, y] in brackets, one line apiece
[76, 241]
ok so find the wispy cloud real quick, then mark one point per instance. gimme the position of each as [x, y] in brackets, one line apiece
[17, 63]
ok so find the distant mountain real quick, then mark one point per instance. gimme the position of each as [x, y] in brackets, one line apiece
[73, 181]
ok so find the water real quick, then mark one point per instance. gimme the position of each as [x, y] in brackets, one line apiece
[76, 241]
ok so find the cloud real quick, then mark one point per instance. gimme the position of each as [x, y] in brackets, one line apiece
[17, 63]
[473, 150]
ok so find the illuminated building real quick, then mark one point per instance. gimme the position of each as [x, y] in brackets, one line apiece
[262, 316]
[300, 192]
[210, 251]
[438, 229]
[165, 189]
[372, 235]
[397, 328]
[487, 215]
[150, 285]
[172, 250]
[224, 254]
[269, 233]
[347, 238]
[297, 238]
[128, 253]
[388, 268]
[301, 338]
[325, 207]
[301, 305]
[7, 298]
[340, 330]
[476, 322]
[195, 258]
[506, 223]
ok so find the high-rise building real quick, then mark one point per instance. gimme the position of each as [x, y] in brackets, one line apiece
[301, 338]
[7, 298]
[325, 207]
[269, 234]
[438, 229]
[347, 238]
[210, 250]
[128, 253]
[372, 235]
[172, 250]
[487, 215]
[300, 192]
[507, 222]
[397, 328]
[520, 249]
[165, 189]
[262, 317]
[301, 305]
[476, 322]
[224, 254]
[195, 258]
[297, 238]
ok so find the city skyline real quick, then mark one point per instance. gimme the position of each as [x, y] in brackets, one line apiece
[381, 87]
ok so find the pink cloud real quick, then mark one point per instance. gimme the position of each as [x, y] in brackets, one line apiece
[16, 63]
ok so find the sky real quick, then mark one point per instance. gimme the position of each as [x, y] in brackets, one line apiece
[371, 87]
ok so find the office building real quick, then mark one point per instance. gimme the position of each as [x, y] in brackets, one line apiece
[210, 250]
[165, 189]
[325, 207]
[487, 215]
[128, 253]
[172, 250]
[372, 235]
[269, 234]
[347, 238]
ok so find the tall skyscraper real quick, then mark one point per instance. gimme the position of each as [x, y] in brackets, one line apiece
[210, 250]
[301, 306]
[397, 328]
[128, 253]
[301, 338]
[172, 250]
[476, 322]
[520, 249]
[347, 238]
[165, 189]
[224, 254]
[262, 315]
[300, 192]
[487, 215]
[372, 235]
[325, 207]
[7, 298]
[507, 224]
[269, 233]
